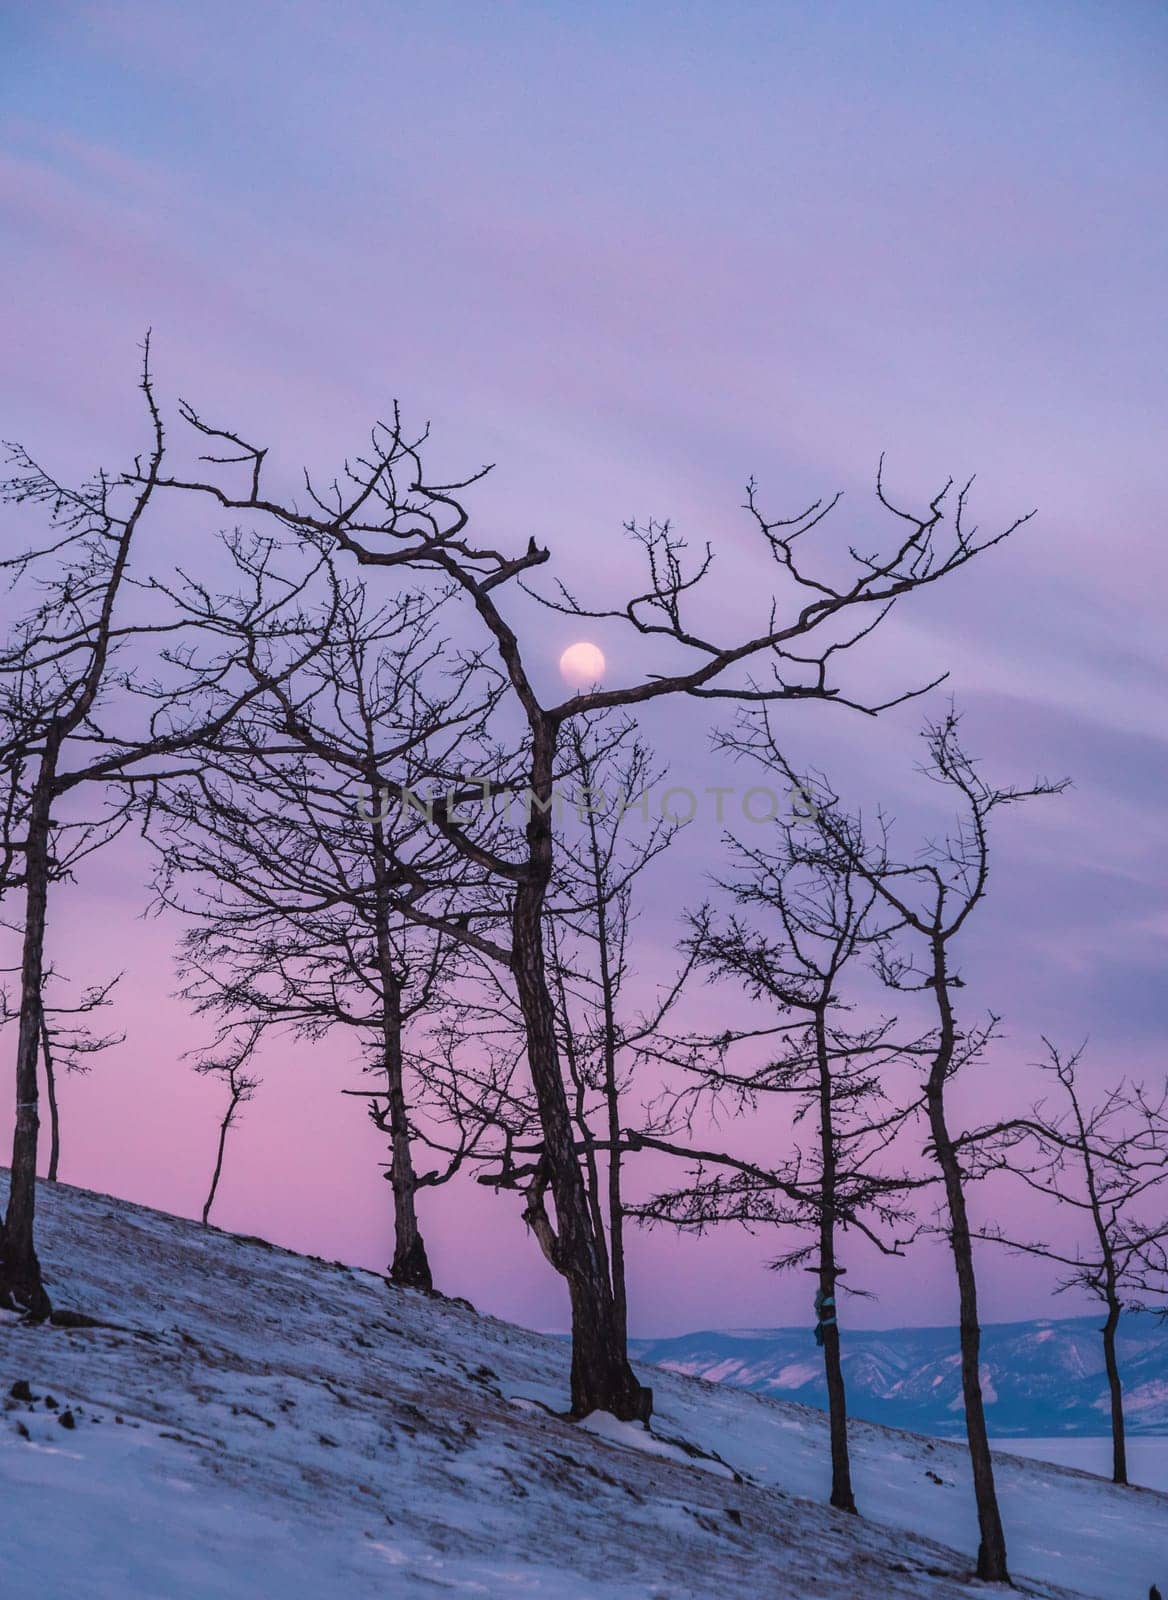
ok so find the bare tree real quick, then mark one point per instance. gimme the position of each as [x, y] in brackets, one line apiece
[231, 1066]
[67, 1042]
[292, 865]
[1104, 1162]
[115, 671]
[385, 512]
[818, 925]
[929, 900]
[592, 912]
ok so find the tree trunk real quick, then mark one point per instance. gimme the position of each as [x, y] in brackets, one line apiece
[1103, 1232]
[616, 1210]
[602, 1379]
[51, 1096]
[218, 1172]
[584, 1132]
[410, 1266]
[991, 1555]
[21, 1285]
[616, 1219]
[837, 1406]
[1118, 1430]
[842, 1496]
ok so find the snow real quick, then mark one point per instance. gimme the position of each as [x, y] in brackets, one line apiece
[635, 1436]
[796, 1374]
[293, 1427]
[724, 1371]
[1145, 1396]
[1040, 1378]
[1147, 1457]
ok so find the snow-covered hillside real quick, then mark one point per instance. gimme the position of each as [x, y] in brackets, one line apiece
[253, 1423]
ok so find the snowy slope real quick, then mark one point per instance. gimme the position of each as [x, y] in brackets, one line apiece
[1043, 1377]
[294, 1428]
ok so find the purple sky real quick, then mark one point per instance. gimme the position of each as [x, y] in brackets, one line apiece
[633, 255]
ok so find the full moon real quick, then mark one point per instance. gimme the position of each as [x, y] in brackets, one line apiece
[582, 665]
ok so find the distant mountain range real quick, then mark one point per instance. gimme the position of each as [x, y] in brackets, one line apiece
[1040, 1379]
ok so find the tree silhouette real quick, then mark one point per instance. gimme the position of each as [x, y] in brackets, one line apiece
[928, 900]
[384, 511]
[118, 671]
[1104, 1162]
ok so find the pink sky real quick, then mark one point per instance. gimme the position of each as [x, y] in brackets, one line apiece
[634, 255]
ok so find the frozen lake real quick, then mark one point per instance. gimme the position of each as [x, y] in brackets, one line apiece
[1147, 1458]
